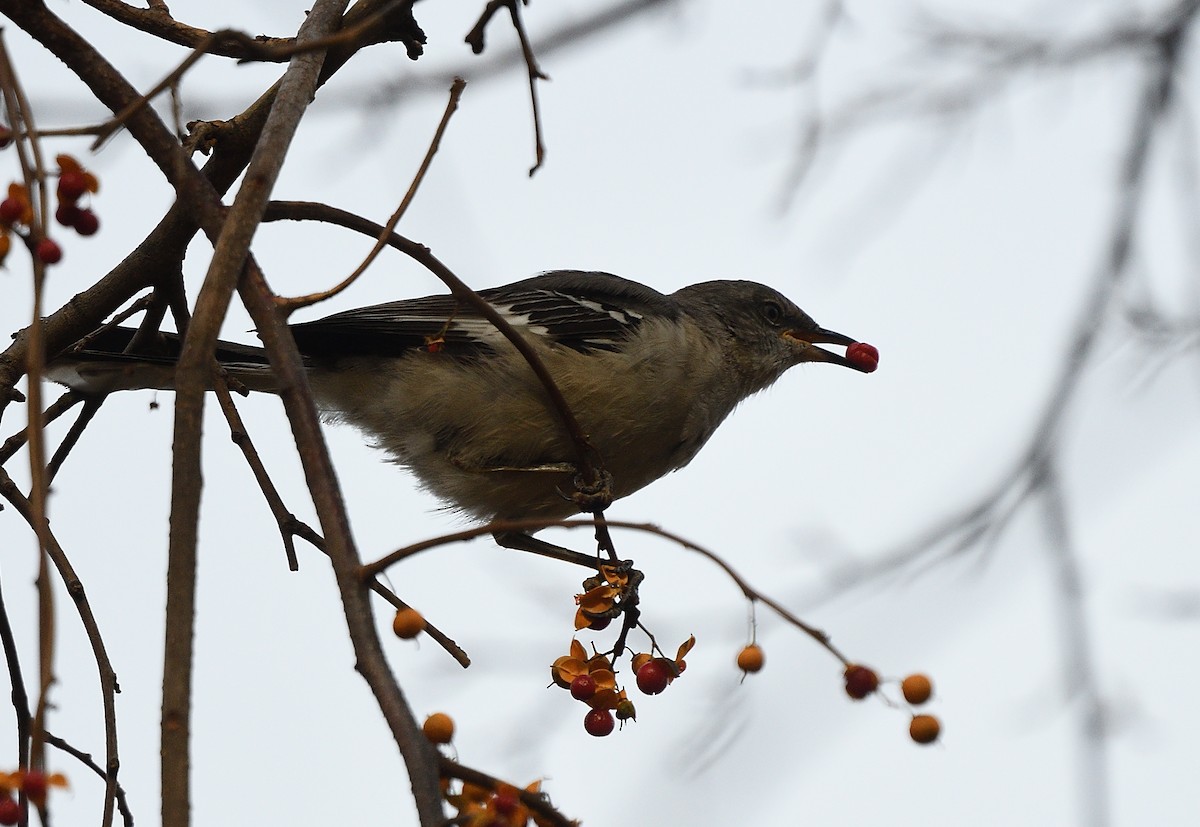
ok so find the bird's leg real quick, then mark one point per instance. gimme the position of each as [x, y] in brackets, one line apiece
[520, 541]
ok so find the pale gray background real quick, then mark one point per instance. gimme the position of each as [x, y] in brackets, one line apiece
[961, 246]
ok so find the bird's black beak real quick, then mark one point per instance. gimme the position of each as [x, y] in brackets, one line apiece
[807, 341]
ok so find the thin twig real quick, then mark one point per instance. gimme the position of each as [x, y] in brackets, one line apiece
[108, 678]
[475, 38]
[90, 408]
[20, 700]
[87, 760]
[289, 305]
[503, 526]
[59, 407]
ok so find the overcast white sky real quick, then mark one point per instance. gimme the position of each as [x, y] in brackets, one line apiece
[962, 248]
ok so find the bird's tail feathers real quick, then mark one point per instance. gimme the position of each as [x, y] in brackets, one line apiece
[102, 364]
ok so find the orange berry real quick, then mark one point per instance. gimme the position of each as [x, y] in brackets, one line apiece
[556, 674]
[751, 658]
[924, 729]
[439, 728]
[917, 689]
[408, 623]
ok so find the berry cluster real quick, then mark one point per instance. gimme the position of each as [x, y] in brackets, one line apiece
[917, 689]
[74, 182]
[862, 681]
[499, 805]
[16, 211]
[593, 680]
[34, 783]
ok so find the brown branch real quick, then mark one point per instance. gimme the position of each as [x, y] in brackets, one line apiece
[108, 677]
[441, 638]
[17, 441]
[290, 526]
[253, 49]
[503, 526]
[33, 169]
[475, 38]
[229, 260]
[157, 21]
[90, 408]
[538, 802]
[418, 753]
[20, 699]
[87, 760]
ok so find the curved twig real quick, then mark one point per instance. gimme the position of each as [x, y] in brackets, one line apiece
[503, 526]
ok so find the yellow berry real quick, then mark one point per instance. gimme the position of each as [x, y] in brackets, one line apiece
[751, 658]
[917, 689]
[439, 728]
[924, 729]
[408, 623]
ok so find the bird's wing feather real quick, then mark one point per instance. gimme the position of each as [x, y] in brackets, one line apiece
[582, 311]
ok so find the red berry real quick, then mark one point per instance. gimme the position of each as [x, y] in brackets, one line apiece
[598, 624]
[6, 137]
[860, 681]
[583, 687]
[48, 252]
[35, 786]
[863, 356]
[653, 677]
[67, 214]
[506, 803]
[11, 210]
[599, 722]
[86, 222]
[10, 811]
[71, 185]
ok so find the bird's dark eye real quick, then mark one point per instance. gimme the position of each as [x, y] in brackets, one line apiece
[772, 312]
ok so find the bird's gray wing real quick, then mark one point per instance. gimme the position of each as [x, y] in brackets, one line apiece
[579, 310]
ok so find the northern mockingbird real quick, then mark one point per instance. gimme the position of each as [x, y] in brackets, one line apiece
[649, 377]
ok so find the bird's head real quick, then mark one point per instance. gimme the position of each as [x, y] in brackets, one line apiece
[768, 331]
